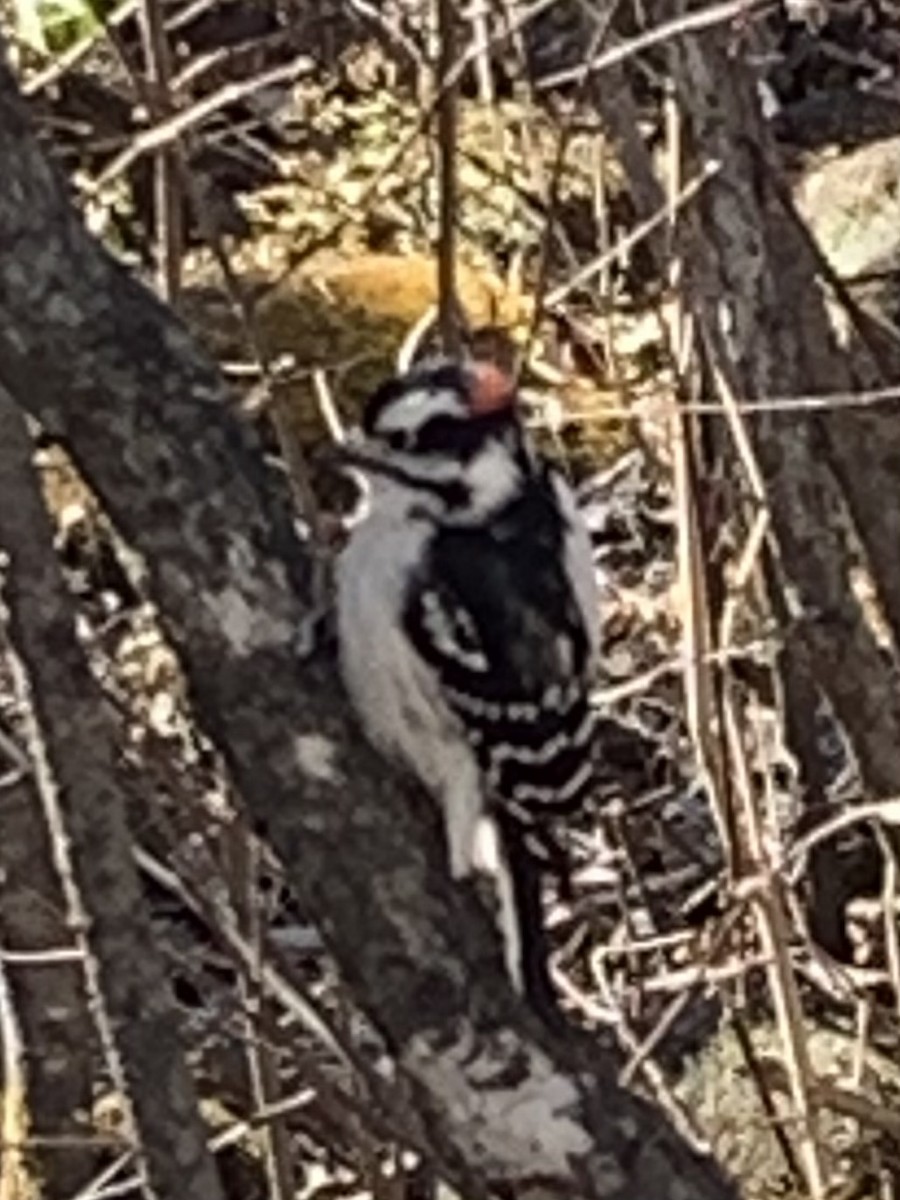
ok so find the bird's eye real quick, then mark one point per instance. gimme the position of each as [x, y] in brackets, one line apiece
[398, 439]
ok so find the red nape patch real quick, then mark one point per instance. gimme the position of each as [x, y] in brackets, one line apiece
[492, 389]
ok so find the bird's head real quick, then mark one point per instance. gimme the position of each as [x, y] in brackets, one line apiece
[449, 430]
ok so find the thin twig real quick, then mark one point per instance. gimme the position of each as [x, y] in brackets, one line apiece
[479, 15]
[14, 1174]
[448, 200]
[221, 921]
[633, 238]
[168, 211]
[551, 199]
[889, 910]
[800, 405]
[64, 62]
[243, 871]
[775, 936]
[758, 1076]
[165, 132]
[692, 22]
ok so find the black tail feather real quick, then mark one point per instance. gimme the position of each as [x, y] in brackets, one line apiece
[526, 873]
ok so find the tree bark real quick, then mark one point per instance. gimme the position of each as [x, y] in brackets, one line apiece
[75, 754]
[751, 279]
[492, 1098]
[48, 994]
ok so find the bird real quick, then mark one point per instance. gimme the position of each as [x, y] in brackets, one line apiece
[468, 629]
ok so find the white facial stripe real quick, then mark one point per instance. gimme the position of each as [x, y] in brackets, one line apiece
[493, 477]
[416, 407]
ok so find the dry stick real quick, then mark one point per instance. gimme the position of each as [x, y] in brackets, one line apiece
[377, 17]
[766, 888]
[802, 405]
[651, 1072]
[860, 1108]
[889, 911]
[643, 681]
[19, 765]
[766, 897]
[765, 892]
[153, 90]
[170, 232]
[692, 22]
[159, 104]
[758, 1076]
[700, 686]
[327, 407]
[98, 1184]
[863, 1023]
[188, 15]
[633, 237]
[14, 1173]
[747, 563]
[885, 811]
[641, 1050]
[551, 201]
[262, 1069]
[209, 907]
[414, 337]
[165, 132]
[231, 57]
[600, 193]
[479, 15]
[63, 63]
[685, 978]
[448, 200]
[63, 954]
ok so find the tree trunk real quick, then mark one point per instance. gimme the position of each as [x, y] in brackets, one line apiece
[48, 993]
[752, 282]
[75, 754]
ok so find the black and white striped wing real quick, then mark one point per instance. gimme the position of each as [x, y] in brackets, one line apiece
[495, 614]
